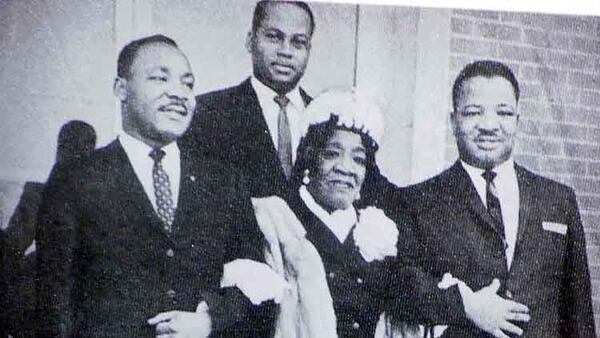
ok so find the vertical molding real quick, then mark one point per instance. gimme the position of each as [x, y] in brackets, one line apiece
[356, 26]
[386, 60]
[133, 19]
[432, 93]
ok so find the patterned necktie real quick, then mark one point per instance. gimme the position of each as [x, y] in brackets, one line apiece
[284, 136]
[492, 200]
[162, 190]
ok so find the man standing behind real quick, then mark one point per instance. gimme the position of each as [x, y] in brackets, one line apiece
[256, 125]
[139, 229]
[498, 227]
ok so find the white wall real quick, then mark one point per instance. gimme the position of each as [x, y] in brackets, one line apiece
[54, 68]
[58, 63]
[213, 34]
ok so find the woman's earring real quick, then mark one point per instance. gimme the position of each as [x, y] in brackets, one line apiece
[357, 196]
[305, 178]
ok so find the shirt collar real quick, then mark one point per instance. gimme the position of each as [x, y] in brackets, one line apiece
[266, 94]
[503, 170]
[137, 150]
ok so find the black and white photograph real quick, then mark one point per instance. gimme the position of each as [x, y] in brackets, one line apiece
[299, 169]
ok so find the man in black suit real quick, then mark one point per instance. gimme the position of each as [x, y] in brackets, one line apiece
[256, 125]
[133, 242]
[496, 227]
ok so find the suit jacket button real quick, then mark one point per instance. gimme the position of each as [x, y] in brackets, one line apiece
[331, 275]
[170, 253]
[359, 280]
[171, 293]
[356, 326]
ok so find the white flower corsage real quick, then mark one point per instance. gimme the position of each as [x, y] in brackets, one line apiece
[375, 234]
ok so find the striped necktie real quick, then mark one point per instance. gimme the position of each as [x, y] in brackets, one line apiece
[492, 200]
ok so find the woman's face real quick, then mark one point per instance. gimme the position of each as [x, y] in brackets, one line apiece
[341, 168]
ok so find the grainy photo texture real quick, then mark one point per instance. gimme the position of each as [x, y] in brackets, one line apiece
[297, 169]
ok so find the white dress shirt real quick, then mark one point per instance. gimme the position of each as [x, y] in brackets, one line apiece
[270, 110]
[138, 153]
[507, 187]
[340, 222]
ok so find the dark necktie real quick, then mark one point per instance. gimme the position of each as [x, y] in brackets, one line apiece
[284, 136]
[492, 200]
[162, 190]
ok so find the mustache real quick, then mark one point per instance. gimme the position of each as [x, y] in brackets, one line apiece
[175, 102]
[484, 134]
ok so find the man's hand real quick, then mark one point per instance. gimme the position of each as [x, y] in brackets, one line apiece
[492, 313]
[180, 324]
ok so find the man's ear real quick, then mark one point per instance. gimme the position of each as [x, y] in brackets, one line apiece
[249, 41]
[120, 88]
[453, 122]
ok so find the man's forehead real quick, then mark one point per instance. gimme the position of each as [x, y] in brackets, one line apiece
[286, 17]
[160, 56]
[495, 87]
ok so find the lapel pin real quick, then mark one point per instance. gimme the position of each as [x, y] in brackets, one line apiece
[193, 178]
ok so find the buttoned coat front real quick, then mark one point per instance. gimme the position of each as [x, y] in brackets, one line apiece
[454, 233]
[360, 290]
[106, 265]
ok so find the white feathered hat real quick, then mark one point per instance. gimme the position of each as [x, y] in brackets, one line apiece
[354, 111]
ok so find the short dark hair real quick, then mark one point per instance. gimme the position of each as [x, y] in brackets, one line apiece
[314, 142]
[129, 52]
[485, 68]
[260, 9]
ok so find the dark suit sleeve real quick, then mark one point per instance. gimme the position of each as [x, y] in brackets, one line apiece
[229, 308]
[56, 242]
[577, 318]
[417, 298]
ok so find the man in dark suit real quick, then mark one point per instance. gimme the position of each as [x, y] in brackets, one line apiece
[496, 227]
[132, 242]
[256, 125]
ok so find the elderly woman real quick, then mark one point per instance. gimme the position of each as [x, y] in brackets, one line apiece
[336, 157]
[333, 248]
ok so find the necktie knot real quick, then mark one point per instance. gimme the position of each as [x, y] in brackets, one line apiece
[489, 176]
[157, 154]
[282, 101]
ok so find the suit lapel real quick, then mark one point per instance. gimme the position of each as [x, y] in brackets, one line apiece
[463, 195]
[256, 135]
[193, 189]
[527, 210]
[305, 97]
[130, 185]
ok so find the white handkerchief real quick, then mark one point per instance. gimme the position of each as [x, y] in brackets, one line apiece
[256, 280]
[447, 281]
[558, 228]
